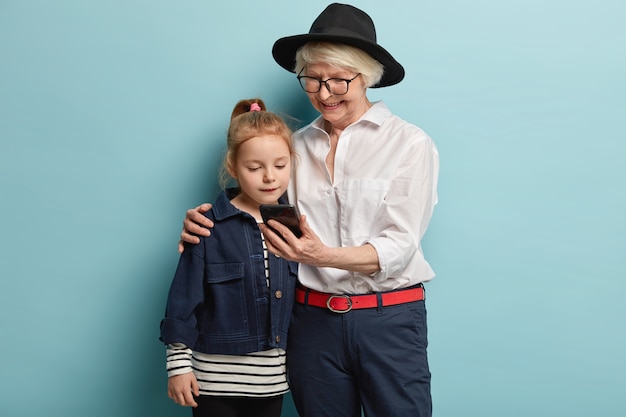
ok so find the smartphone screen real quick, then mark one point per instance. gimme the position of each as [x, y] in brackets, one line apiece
[286, 214]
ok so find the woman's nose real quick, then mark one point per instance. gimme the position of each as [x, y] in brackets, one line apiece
[324, 92]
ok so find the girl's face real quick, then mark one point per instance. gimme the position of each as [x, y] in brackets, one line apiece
[262, 168]
[339, 110]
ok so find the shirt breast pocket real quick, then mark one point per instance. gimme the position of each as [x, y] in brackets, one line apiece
[225, 301]
[361, 199]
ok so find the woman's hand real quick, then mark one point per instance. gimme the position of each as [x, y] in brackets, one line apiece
[195, 223]
[182, 388]
[310, 250]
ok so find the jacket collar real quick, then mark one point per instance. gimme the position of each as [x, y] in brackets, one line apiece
[223, 208]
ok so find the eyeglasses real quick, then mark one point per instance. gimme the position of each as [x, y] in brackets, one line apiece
[336, 86]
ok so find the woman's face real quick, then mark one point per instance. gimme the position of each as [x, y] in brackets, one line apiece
[339, 110]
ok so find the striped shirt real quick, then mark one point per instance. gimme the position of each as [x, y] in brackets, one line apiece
[262, 374]
[259, 374]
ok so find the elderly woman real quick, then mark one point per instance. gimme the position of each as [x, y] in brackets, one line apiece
[366, 186]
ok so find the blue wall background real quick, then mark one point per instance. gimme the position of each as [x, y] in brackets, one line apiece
[112, 119]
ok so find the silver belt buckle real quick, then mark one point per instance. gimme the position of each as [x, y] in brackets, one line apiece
[347, 297]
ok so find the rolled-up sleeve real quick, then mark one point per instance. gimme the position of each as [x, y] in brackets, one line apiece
[406, 210]
[185, 298]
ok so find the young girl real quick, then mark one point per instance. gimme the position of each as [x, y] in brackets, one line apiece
[229, 304]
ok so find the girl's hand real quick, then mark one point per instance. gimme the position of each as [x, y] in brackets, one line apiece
[182, 388]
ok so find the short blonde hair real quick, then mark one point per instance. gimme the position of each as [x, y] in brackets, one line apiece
[342, 56]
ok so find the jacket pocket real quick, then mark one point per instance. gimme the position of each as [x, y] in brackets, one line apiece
[225, 301]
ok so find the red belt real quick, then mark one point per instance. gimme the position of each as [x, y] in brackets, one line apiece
[342, 303]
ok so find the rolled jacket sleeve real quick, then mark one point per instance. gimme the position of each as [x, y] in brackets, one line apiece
[185, 298]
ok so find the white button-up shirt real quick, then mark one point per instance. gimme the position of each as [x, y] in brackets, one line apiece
[384, 192]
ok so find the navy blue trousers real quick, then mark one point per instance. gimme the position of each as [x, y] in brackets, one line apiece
[370, 360]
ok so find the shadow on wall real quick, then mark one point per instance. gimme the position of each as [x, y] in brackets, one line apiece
[145, 358]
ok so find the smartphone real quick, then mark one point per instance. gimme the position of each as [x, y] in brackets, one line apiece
[286, 214]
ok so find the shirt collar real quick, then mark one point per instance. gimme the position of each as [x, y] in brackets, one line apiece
[377, 114]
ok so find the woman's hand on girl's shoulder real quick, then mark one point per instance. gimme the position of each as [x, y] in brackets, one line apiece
[195, 224]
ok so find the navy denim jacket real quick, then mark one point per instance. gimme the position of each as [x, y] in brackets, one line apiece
[219, 301]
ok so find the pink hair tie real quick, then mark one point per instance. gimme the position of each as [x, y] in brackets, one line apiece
[255, 107]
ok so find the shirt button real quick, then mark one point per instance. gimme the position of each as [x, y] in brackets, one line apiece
[278, 294]
[277, 339]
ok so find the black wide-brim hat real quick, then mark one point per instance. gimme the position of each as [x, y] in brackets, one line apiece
[341, 23]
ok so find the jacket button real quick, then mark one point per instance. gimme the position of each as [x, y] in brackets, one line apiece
[277, 339]
[278, 294]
